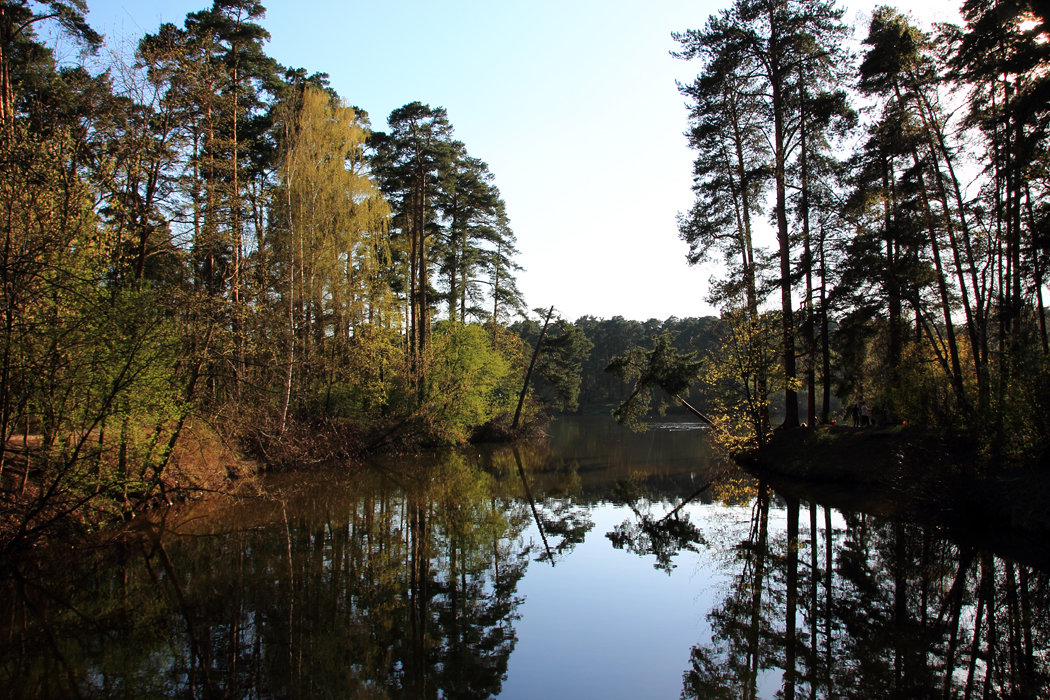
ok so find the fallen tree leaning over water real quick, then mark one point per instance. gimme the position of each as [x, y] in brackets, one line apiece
[663, 368]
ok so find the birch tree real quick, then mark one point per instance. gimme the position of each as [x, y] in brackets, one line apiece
[333, 243]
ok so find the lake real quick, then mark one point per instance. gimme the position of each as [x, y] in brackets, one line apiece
[595, 563]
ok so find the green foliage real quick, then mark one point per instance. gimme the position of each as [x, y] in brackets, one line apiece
[617, 335]
[558, 375]
[1026, 420]
[663, 367]
[560, 364]
[896, 249]
[735, 375]
[468, 382]
[90, 369]
[367, 376]
[475, 238]
[918, 392]
[202, 235]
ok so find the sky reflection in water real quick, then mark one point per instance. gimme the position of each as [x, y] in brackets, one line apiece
[431, 578]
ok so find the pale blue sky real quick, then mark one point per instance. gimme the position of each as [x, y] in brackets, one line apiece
[572, 104]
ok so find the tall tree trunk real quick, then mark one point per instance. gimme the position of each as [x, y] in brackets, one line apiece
[942, 283]
[807, 266]
[290, 359]
[977, 313]
[463, 279]
[814, 601]
[825, 335]
[236, 245]
[495, 288]
[413, 300]
[779, 108]
[988, 562]
[748, 255]
[1038, 276]
[895, 331]
[454, 255]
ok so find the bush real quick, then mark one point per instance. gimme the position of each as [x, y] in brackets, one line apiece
[468, 382]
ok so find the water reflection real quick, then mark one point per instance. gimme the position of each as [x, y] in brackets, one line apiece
[663, 536]
[561, 518]
[365, 590]
[871, 608]
[429, 578]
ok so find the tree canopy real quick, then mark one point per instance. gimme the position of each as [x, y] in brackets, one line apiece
[921, 284]
[200, 240]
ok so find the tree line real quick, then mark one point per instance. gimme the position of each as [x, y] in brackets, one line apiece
[903, 185]
[196, 236]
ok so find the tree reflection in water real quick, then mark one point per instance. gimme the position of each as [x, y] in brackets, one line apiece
[406, 582]
[872, 609]
[563, 519]
[558, 516]
[664, 536]
[366, 591]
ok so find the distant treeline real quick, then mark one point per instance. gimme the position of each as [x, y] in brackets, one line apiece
[600, 391]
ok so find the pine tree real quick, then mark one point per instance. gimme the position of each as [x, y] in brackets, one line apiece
[19, 49]
[773, 50]
[408, 164]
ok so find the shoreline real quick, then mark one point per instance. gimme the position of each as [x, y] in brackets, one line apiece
[910, 475]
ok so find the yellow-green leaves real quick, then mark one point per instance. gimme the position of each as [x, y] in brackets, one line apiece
[336, 218]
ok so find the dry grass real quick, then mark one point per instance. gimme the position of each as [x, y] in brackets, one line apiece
[204, 459]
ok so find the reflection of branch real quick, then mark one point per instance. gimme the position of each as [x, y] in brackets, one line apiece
[664, 538]
[682, 504]
[532, 503]
[291, 581]
[50, 633]
[180, 597]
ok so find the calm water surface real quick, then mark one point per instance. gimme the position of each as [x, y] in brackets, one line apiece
[598, 563]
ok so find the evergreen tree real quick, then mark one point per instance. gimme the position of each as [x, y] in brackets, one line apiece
[899, 69]
[773, 53]
[729, 174]
[1002, 56]
[20, 52]
[408, 163]
[475, 227]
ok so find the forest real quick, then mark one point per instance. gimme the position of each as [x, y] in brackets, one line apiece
[209, 255]
[901, 185]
